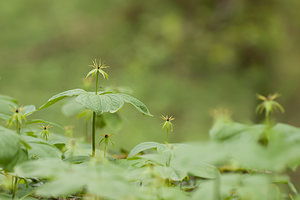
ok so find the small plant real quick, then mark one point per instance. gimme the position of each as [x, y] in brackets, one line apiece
[17, 118]
[98, 69]
[45, 131]
[106, 139]
[268, 105]
[168, 125]
[99, 101]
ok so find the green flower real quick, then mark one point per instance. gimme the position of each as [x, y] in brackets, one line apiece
[45, 131]
[168, 125]
[106, 139]
[269, 104]
[17, 117]
[98, 67]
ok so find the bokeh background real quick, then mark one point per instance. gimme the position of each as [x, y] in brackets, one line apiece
[182, 58]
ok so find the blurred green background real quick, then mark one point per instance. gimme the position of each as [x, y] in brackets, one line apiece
[182, 58]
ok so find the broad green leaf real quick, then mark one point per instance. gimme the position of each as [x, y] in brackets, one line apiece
[101, 103]
[28, 110]
[43, 150]
[4, 117]
[237, 186]
[40, 121]
[72, 108]
[60, 96]
[11, 149]
[112, 120]
[140, 106]
[143, 147]
[6, 106]
[40, 148]
[42, 168]
[8, 98]
[170, 173]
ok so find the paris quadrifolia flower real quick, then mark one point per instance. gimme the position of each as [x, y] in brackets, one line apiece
[98, 68]
[106, 139]
[45, 131]
[268, 104]
[168, 125]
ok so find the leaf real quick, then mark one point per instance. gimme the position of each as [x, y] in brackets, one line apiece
[8, 98]
[170, 173]
[144, 146]
[60, 96]
[72, 108]
[40, 148]
[112, 120]
[91, 73]
[101, 103]
[4, 117]
[41, 168]
[11, 149]
[140, 106]
[28, 110]
[40, 121]
[5, 106]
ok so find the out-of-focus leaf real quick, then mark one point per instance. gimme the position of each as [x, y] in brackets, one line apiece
[8, 98]
[72, 108]
[28, 110]
[40, 121]
[4, 117]
[11, 149]
[143, 147]
[41, 168]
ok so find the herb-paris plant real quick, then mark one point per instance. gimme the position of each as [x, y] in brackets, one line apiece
[99, 101]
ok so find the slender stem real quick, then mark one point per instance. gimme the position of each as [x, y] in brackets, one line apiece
[217, 186]
[167, 136]
[97, 76]
[267, 118]
[104, 150]
[15, 187]
[93, 134]
[86, 126]
[94, 122]
[18, 127]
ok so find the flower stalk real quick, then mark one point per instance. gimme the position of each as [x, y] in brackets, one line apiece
[98, 69]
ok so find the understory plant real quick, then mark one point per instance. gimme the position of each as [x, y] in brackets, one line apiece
[99, 101]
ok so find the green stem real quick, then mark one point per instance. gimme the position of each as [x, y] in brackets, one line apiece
[217, 186]
[167, 136]
[104, 150]
[15, 186]
[97, 76]
[18, 127]
[267, 118]
[93, 134]
[94, 122]
[86, 127]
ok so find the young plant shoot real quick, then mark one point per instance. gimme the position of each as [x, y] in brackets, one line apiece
[106, 139]
[268, 105]
[16, 118]
[168, 125]
[45, 131]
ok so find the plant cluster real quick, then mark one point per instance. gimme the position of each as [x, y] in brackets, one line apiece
[239, 162]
